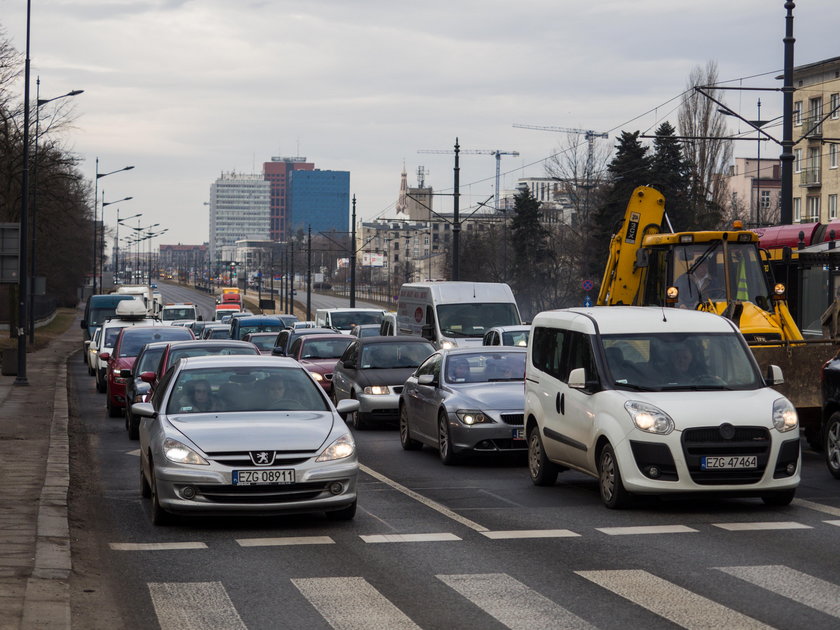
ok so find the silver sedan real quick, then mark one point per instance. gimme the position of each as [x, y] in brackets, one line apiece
[466, 399]
[249, 434]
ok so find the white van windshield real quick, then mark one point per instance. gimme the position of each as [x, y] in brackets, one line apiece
[680, 361]
[473, 319]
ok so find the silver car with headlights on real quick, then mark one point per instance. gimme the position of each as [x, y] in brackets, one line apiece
[245, 434]
[466, 399]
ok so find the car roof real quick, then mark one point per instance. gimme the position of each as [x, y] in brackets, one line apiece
[483, 350]
[238, 360]
[516, 328]
[312, 331]
[262, 334]
[634, 319]
[332, 335]
[392, 339]
[210, 343]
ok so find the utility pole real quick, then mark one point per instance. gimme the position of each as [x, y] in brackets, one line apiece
[309, 274]
[456, 221]
[787, 157]
[353, 255]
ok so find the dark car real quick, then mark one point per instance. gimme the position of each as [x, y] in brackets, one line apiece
[128, 345]
[241, 326]
[830, 431]
[216, 331]
[372, 370]
[263, 340]
[200, 348]
[136, 389]
[365, 330]
[285, 338]
[319, 354]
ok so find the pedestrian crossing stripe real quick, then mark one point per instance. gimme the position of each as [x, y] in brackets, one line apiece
[765, 526]
[530, 533]
[172, 546]
[351, 602]
[392, 538]
[647, 529]
[285, 541]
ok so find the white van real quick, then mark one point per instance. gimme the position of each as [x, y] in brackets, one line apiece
[656, 401]
[343, 319]
[455, 313]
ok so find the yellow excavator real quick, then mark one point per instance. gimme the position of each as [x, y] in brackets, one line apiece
[723, 272]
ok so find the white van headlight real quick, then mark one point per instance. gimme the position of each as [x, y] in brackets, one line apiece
[447, 343]
[649, 418]
[785, 417]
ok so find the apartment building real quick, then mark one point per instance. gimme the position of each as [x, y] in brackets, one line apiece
[239, 209]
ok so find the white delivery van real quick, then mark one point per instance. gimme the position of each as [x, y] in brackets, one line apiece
[455, 313]
[656, 401]
[183, 311]
[343, 319]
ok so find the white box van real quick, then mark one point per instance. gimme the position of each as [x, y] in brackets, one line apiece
[656, 401]
[343, 319]
[455, 313]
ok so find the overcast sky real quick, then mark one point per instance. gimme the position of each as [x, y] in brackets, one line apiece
[186, 89]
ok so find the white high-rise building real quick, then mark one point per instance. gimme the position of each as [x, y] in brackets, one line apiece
[239, 209]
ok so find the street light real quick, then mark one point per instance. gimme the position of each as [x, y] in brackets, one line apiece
[152, 236]
[95, 201]
[102, 240]
[117, 250]
[38, 103]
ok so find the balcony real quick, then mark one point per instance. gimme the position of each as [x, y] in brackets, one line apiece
[810, 121]
[810, 177]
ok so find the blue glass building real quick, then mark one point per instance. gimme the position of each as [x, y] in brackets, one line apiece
[320, 199]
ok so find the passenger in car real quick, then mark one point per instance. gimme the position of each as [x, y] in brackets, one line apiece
[200, 398]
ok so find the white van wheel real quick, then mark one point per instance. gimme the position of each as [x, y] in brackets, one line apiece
[543, 472]
[612, 489]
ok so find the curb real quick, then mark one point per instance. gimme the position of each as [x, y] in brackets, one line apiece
[47, 598]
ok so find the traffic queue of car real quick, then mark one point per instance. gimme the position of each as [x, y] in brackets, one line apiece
[241, 423]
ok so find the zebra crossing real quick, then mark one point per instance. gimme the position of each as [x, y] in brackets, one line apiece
[353, 603]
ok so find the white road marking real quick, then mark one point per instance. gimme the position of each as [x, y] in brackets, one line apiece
[837, 523]
[646, 529]
[173, 546]
[425, 501]
[819, 507]
[351, 603]
[288, 540]
[394, 538]
[530, 533]
[194, 606]
[512, 603]
[800, 587]
[769, 525]
[135, 452]
[670, 601]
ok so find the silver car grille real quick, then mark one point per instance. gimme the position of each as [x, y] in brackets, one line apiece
[242, 459]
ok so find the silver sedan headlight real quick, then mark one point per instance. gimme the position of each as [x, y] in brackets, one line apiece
[470, 417]
[377, 390]
[340, 449]
[649, 418]
[785, 417]
[181, 453]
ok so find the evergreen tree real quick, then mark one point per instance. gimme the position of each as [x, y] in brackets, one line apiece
[671, 175]
[532, 259]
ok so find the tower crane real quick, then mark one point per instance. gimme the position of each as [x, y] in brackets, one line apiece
[589, 134]
[495, 152]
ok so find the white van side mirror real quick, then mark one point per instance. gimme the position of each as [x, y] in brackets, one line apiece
[774, 375]
[577, 378]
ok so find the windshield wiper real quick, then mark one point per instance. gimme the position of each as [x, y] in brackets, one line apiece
[638, 388]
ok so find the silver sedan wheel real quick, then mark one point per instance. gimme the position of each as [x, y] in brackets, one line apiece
[832, 445]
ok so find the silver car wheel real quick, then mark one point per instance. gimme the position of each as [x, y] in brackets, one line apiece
[832, 445]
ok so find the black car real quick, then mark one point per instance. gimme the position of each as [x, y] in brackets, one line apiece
[285, 338]
[830, 430]
[136, 388]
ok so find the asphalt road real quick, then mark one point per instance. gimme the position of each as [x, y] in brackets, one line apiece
[470, 546]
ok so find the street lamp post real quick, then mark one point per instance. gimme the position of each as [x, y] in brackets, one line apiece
[102, 240]
[39, 102]
[95, 201]
[117, 251]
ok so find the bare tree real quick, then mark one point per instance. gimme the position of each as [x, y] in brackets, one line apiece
[709, 154]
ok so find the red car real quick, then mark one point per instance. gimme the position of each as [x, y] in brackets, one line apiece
[126, 348]
[319, 354]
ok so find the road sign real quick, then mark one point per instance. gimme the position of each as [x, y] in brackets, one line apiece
[587, 285]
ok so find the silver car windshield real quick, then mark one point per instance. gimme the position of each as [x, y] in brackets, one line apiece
[680, 361]
[485, 367]
[236, 389]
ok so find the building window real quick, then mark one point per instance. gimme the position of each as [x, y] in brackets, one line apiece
[797, 160]
[832, 156]
[832, 206]
[765, 199]
[797, 113]
[835, 106]
[797, 210]
[813, 208]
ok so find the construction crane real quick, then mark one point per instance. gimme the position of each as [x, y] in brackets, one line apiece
[495, 152]
[589, 134]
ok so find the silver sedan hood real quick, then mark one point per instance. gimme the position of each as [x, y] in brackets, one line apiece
[254, 430]
[501, 395]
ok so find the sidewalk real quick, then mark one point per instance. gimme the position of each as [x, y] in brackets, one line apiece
[34, 478]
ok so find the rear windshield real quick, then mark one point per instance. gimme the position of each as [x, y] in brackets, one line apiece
[262, 327]
[134, 340]
[324, 348]
[395, 355]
